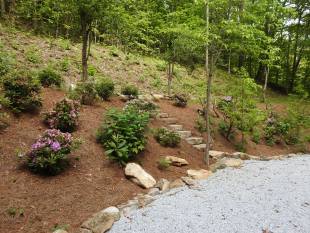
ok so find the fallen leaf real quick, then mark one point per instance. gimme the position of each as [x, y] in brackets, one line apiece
[124, 214]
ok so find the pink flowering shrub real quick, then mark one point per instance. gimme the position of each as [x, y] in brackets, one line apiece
[64, 115]
[49, 151]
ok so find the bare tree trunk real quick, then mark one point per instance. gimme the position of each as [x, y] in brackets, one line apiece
[85, 35]
[12, 8]
[2, 8]
[229, 61]
[207, 46]
[266, 80]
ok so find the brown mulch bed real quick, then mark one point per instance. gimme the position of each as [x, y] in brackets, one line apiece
[93, 182]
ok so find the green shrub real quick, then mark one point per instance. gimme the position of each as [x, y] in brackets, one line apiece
[49, 77]
[105, 89]
[167, 137]
[161, 66]
[113, 51]
[49, 152]
[5, 62]
[20, 91]
[64, 115]
[256, 137]
[157, 82]
[143, 105]
[64, 65]
[180, 100]
[33, 58]
[3, 101]
[124, 133]
[91, 71]
[85, 92]
[130, 91]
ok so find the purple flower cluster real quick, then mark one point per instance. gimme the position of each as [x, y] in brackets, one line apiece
[62, 111]
[228, 99]
[269, 121]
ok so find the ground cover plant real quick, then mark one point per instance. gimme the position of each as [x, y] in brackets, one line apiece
[49, 77]
[49, 152]
[167, 137]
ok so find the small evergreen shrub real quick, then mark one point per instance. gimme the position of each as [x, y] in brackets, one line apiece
[20, 91]
[49, 77]
[49, 152]
[91, 71]
[64, 115]
[167, 137]
[161, 66]
[256, 137]
[143, 105]
[105, 89]
[124, 133]
[130, 91]
[180, 100]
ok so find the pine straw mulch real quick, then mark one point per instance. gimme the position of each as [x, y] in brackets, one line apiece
[93, 182]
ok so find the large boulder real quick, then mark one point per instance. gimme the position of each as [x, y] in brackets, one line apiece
[129, 206]
[189, 181]
[220, 164]
[139, 176]
[145, 199]
[212, 168]
[153, 192]
[176, 161]
[99, 222]
[198, 174]
[112, 211]
[176, 184]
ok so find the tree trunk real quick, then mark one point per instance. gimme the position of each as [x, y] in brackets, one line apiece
[2, 8]
[84, 46]
[229, 61]
[12, 8]
[265, 85]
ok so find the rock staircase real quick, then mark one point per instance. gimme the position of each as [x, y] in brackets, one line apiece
[171, 123]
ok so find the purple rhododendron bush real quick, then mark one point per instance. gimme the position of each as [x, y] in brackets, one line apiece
[64, 115]
[49, 152]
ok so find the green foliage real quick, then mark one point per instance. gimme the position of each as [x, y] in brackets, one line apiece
[64, 65]
[130, 91]
[241, 146]
[162, 163]
[3, 102]
[157, 82]
[49, 77]
[143, 105]
[91, 71]
[33, 58]
[85, 92]
[113, 51]
[64, 115]
[180, 100]
[161, 66]
[105, 88]
[256, 137]
[167, 137]
[12, 211]
[64, 44]
[5, 62]
[49, 152]
[20, 90]
[124, 133]
[59, 227]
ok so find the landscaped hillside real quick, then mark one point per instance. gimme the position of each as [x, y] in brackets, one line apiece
[91, 182]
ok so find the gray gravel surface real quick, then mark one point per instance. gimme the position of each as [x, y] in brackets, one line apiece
[273, 196]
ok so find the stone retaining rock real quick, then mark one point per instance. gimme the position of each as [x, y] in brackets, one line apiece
[198, 174]
[139, 176]
[176, 161]
[154, 192]
[212, 168]
[162, 115]
[99, 222]
[194, 140]
[170, 121]
[233, 162]
[217, 154]
[113, 212]
[220, 164]
[163, 185]
[175, 127]
[189, 181]
[177, 184]
[129, 206]
[184, 134]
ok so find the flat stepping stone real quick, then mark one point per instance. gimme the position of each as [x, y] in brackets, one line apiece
[185, 134]
[170, 121]
[194, 140]
[233, 162]
[162, 115]
[176, 127]
[201, 147]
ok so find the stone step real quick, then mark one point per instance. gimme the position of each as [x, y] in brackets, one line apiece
[162, 115]
[202, 147]
[194, 140]
[176, 127]
[170, 121]
[185, 134]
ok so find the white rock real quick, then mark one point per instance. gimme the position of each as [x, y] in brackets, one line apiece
[175, 127]
[233, 162]
[112, 211]
[199, 175]
[217, 154]
[185, 134]
[139, 176]
[176, 161]
[194, 140]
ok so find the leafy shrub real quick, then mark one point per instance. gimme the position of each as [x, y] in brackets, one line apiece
[130, 91]
[113, 51]
[91, 71]
[124, 133]
[105, 89]
[180, 100]
[224, 101]
[20, 90]
[33, 58]
[143, 105]
[49, 77]
[157, 82]
[5, 62]
[256, 137]
[65, 44]
[3, 101]
[85, 92]
[64, 115]
[161, 66]
[167, 137]
[49, 152]
[64, 65]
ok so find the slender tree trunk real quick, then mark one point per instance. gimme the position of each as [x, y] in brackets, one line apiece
[169, 76]
[229, 61]
[2, 8]
[207, 46]
[84, 46]
[12, 8]
[265, 85]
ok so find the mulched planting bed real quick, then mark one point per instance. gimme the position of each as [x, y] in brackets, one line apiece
[92, 182]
